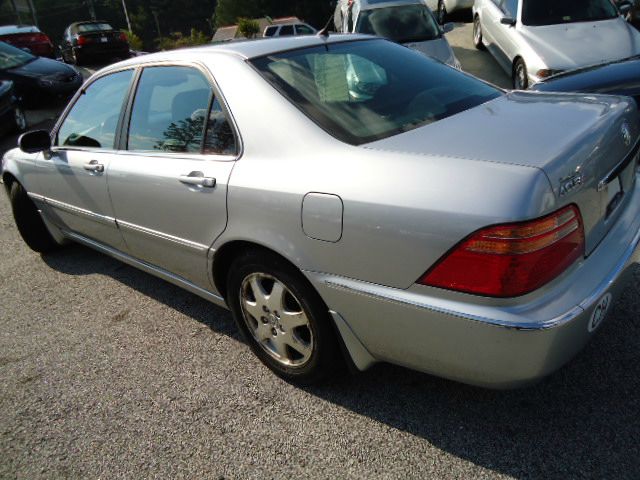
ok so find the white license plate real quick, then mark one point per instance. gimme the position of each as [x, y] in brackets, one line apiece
[103, 39]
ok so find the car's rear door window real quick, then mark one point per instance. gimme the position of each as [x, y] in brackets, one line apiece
[365, 90]
[175, 110]
[286, 30]
[304, 30]
[93, 119]
[169, 110]
[219, 136]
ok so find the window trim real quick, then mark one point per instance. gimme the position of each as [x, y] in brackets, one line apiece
[81, 91]
[124, 131]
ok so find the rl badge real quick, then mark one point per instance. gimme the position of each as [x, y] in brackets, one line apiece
[599, 312]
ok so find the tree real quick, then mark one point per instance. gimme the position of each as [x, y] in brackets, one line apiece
[316, 12]
[248, 28]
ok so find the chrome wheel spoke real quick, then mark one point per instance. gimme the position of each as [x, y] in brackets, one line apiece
[275, 300]
[258, 290]
[253, 308]
[280, 346]
[291, 320]
[262, 331]
[299, 346]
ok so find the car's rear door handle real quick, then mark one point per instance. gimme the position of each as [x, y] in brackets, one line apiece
[198, 179]
[94, 166]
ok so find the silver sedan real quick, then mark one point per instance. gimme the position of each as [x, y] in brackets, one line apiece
[535, 39]
[319, 188]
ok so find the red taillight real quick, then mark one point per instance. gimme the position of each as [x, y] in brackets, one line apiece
[82, 40]
[513, 259]
[123, 37]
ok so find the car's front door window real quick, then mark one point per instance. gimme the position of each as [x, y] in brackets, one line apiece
[170, 110]
[93, 120]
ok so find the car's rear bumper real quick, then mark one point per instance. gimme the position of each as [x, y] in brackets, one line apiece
[102, 49]
[492, 343]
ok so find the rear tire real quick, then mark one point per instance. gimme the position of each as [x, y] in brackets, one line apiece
[29, 222]
[78, 59]
[477, 33]
[520, 76]
[282, 318]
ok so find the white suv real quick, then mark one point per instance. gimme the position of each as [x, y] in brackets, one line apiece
[289, 29]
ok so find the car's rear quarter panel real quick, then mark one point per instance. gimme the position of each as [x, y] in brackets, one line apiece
[401, 212]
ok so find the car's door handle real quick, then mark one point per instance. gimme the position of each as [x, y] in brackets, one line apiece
[198, 179]
[94, 166]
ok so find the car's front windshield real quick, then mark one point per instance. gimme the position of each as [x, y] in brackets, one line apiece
[11, 57]
[402, 24]
[553, 12]
[366, 90]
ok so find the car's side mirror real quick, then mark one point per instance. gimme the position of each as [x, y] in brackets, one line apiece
[447, 27]
[508, 21]
[35, 141]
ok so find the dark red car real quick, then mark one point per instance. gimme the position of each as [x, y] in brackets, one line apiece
[29, 37]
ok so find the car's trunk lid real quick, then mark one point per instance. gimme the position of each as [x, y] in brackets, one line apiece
[101, 36]
[578, 141]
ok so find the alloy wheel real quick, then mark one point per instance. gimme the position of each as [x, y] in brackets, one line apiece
[520, 77]
[276, 320]
[477, 31]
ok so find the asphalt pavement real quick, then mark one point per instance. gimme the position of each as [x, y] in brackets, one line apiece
[108, 372]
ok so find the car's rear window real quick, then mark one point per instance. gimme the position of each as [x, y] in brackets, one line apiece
[367, 90]
[94, 27]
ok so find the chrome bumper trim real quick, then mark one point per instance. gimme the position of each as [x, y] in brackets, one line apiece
[415, 300]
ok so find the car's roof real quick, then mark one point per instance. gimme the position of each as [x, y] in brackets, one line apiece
[248, 49]
[88, 22]
[10, 29]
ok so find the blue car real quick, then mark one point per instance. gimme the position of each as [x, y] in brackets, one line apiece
[616, 78]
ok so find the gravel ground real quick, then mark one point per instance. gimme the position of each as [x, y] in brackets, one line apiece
[107, 372]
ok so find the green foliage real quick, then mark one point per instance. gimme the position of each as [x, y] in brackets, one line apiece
[172, 16]
[316, 12]
[178, 40]
[135, 42]
[248, 28]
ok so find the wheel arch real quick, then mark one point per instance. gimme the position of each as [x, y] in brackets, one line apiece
[225, 255]
[350, 347]
[8, 179]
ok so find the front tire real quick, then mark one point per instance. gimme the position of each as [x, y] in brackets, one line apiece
[29, 222]
[520, 75]
[477, 33]
[282, 318]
